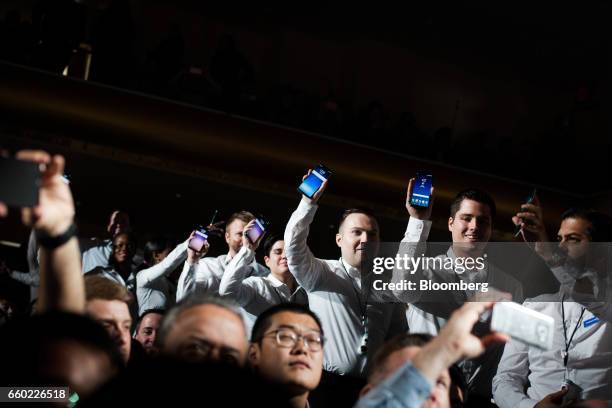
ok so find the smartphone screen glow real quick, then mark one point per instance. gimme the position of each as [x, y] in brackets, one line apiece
[313, 182]
[197, 242]
[256, 232]
[421, 190]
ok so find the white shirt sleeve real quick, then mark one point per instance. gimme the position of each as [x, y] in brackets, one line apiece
[405, 388]
[32, 253]
[510, 382]
[413, 243]
[199, 277]
[417, 230]
[186, 282]
[308, 271]
[233, 284]
[27, 278]
[97, 256]
[31, 278]
[147, 276]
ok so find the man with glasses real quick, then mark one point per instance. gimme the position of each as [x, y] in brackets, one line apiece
[287, 350]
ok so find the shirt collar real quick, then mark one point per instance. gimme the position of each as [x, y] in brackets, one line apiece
[274, 281]
[351, 270]
[225, 259]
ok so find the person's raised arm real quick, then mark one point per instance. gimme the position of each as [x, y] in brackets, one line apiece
[412, 244]
[583, 290]
[411, 384]
[61, 281]
[189, 276]
[146, 277]
[530, 220]
[233, 283]
[307, 270]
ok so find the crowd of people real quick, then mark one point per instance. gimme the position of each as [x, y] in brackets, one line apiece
[167, 324]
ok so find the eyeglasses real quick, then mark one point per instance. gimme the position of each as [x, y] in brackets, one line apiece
[288, 338]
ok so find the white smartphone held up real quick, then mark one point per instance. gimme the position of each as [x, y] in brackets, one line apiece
[523, 324]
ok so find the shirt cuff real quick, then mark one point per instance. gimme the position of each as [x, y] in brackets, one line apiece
[305, 207]
[409, 385]
[183, 245]
[417, 230]
[245, 253]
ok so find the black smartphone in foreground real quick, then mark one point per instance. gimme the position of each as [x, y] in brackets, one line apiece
[19, 182]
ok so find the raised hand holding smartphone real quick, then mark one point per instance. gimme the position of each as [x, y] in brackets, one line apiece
[315, 182]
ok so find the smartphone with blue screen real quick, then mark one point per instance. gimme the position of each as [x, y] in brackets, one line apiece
[258, 229]
[313, 181]
[199, 239]
[421, 190]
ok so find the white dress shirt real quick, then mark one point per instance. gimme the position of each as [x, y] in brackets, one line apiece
[255, 293]
[110, 273]
[430, 321]
[97, 256]
[204, 277]
[526, 374]
[32, 277]
[335, 295]
[153, 289]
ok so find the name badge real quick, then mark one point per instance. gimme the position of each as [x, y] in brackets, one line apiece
[591, 321]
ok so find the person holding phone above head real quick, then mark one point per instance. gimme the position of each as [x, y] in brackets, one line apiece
[203, 274]
[154, 289]
[355, 326]
[255, 293]
[579, 364]
[82, 359]
[470, 224]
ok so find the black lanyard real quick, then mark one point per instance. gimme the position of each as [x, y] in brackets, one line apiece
[363, 304]
[567, 343]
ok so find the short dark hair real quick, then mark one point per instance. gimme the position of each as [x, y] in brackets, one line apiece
[243, 216]
[160, 312]
[347, 212]
[156, 244]
[475, 195]
[270, 241]
[264, 320]
[601, 224]
[396, 343]
[130, 236]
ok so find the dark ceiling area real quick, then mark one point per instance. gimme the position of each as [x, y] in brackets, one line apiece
[516, 90]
